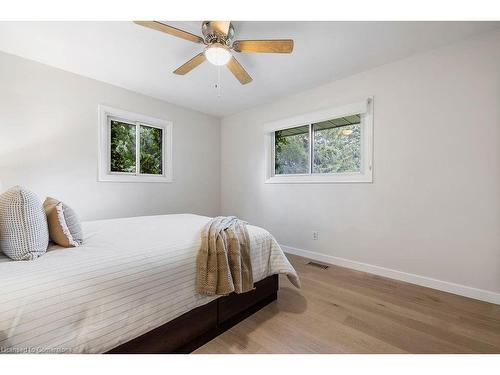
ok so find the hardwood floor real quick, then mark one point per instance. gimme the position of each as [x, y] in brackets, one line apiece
[339, 310]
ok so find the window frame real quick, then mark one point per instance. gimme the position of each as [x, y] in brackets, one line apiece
[106, 114]
[365, 175]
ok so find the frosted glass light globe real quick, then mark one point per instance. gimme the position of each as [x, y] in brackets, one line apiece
[218, 54]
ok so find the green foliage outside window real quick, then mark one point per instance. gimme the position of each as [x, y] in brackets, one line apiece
[151, 147]
[123, 148]
[337, 150]
[292, 151]
[336, 147]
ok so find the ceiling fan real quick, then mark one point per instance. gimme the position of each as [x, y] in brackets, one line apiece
[219, 44]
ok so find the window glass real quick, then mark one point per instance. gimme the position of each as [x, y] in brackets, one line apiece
[291, 150]
[122, 145]
[151, 150]
[337, 145]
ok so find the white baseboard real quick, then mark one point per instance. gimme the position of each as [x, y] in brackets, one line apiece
[462, 290]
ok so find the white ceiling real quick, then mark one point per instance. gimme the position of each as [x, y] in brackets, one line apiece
[142, 60]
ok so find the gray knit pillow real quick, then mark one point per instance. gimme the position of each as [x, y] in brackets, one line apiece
[24, 234]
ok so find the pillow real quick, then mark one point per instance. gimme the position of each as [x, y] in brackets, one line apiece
[64, 226]
[23, 225]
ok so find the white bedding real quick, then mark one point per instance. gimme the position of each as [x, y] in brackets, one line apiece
[130, 276]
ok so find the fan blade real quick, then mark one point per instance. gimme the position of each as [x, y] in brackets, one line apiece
[155, 25]
[264, 46]
[221, 27]
[238, 71]
[191, 64]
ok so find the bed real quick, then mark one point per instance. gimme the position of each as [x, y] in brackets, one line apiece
[130, 287]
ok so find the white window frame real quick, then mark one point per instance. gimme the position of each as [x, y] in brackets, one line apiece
[365, 175]
[106, 114]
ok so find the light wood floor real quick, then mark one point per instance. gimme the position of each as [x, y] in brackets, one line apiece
[339, 310]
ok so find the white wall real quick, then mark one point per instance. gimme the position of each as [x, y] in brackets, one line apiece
[433, 209]
[48, 143]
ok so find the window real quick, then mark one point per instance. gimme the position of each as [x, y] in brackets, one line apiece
[133, 147]
[327, 146]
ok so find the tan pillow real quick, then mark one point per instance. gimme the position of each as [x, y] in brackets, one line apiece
[64, 226]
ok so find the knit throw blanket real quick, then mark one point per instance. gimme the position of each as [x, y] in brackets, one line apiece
[223, 263]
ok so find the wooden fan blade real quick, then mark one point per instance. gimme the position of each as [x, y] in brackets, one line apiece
[264, 46]
[238, 71]
[221, 27]
[191, 64]
[155, 25]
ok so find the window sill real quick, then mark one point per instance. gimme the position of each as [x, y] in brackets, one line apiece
[346, 178]
[133, 178]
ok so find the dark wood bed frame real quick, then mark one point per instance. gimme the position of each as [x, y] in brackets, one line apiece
[197, 327]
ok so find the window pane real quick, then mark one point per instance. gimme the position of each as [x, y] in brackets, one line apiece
[337, 145]
[291, 150]
[122, 147]
[151, 149]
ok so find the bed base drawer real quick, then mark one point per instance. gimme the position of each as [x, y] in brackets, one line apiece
[197, 327]
[175, 334]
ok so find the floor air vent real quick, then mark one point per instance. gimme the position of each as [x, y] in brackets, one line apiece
[318, 265]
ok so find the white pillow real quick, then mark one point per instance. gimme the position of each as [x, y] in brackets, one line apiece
[24, 234]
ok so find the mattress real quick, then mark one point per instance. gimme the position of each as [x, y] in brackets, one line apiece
[130, 276]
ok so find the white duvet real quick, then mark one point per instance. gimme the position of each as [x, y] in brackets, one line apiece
[130, 276]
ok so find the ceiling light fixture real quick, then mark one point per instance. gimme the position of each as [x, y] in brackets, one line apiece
[218, 54]
[219, 37]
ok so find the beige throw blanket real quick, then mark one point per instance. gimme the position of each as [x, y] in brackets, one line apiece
[223, 263]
